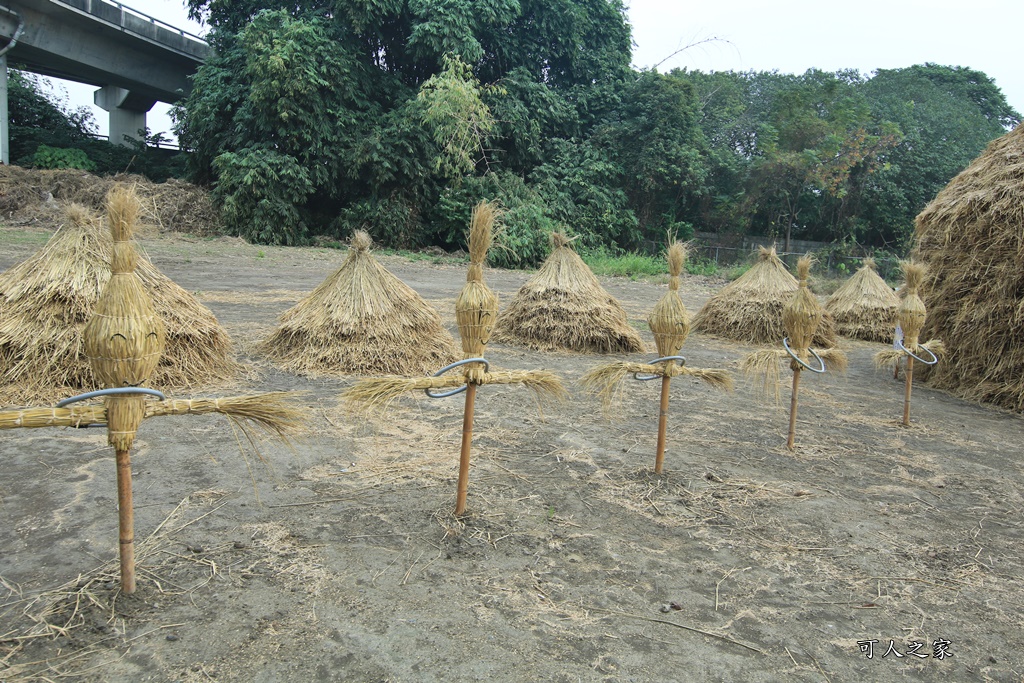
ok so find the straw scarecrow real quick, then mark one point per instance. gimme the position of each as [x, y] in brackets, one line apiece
[911, 316]
[865, 306]
[46, 300]
[123, 340]
[563, 306]
[476, 309]
[361, 320]
[670, 324]
[749, 309]
[970, 237]
[800, 318]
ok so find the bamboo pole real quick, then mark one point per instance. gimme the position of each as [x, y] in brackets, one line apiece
[659, 459]
[126, 521]
[467, 439]
[792, 409]
[906, 392]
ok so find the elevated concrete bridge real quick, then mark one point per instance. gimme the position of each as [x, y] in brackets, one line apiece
[134, 60]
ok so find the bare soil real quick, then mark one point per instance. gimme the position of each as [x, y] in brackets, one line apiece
[339, 558]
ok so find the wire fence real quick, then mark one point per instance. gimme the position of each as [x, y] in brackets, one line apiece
[830, 263]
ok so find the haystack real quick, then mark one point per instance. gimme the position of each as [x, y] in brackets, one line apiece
[46, 300]
[971, 237]
[749, 309]
[361, 320]
[563, 306]
[865, 306]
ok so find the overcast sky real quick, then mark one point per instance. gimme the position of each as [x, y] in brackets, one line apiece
[788, 35]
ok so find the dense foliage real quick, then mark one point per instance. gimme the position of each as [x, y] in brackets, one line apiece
[396, 115]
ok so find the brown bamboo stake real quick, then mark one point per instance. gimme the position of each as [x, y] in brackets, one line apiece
[907, 389]
[126, 522]
[467, 440]
[659, 459]
[792, 409]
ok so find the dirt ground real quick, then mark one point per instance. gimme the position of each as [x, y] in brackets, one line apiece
[340, 559]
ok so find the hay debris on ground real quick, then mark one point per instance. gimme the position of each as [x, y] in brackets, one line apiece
[46, 300]
[171, 206]
[563, 306]
[361, 320]
[970, 237]
[749, 309]
[865, 306]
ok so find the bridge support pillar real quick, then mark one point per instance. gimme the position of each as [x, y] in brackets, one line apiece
[5, 134]
[127, 112]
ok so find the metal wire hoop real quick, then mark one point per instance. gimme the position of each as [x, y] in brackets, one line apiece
[934, 360]
[785, 342]
[457, 390]
[107, 392]
[111, 392]
[647, 378]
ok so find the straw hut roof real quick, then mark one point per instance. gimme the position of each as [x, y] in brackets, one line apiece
[46, 300]
[361, 320]
[563, 306]
[749, 309]
[971, 238]
[865, 306]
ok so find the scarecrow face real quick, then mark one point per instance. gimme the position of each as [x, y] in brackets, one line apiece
[124, 351]
[136, 347]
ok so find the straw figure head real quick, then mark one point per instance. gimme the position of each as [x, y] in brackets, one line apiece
[911, 312]
[669, 321]
[360, 320]
[865, 306]
[124, 338]
[476, 307]
[802, 315]
[564, 306]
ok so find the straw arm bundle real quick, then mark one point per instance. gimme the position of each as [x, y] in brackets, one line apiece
[763, 368]
[275, 412]
[606, 381]
[890, 358]
[379, 393]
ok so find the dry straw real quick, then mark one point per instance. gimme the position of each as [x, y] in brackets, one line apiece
[360, 320]
[123, 339]
[801, 317]
[670, 324]
[911, 315]
[476, 309]
[865, 306]
[971, 239]
[46, 300]
[563, 306]
[749, 309]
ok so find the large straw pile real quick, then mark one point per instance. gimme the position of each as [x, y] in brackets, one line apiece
[361, 320]
[563, 306]
[865, 306]
[971, 237]
[46, 300]
[749, 309]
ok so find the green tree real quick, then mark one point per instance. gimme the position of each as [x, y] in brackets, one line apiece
[946, 116]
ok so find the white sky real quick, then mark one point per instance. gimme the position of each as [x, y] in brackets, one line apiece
[788, 35]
